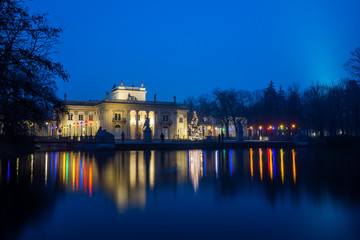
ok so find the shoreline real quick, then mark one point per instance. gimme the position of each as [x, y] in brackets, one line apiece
[7, 149]
[159, 145]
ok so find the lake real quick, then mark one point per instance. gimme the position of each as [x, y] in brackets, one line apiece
[301, 193]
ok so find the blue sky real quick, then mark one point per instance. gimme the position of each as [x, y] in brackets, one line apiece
[187, 48]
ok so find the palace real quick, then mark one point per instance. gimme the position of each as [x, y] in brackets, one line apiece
[123, 113]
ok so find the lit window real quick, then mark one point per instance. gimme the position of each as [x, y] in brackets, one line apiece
[81, 117]
[91, 117]
[70, 117]
[181, 120]
[138, 117]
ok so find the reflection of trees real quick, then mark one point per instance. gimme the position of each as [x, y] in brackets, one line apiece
[23, 200]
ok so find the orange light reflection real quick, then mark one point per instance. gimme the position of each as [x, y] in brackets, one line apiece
[294, 166]
[282, 165]
[251, 164]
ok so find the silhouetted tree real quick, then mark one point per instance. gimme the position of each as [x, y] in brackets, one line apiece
[353, 65]
[352, 107]
[294, 109]
[270, 105]
[315, 107]
[27, 72]
[231, 105]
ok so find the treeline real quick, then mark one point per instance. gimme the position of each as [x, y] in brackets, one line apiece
[27, 70]
[320, 109]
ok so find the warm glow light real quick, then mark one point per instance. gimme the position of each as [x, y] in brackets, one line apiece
[73, 173]
[260, 127]
[77, 172]
[251, 128]
[293, 126]
[90, 178]
[281, 127]
[132, 170]
[294, 166]
[251, 164]
[270, 164]
[152, 171]
[85, 175]
[282, 165]
[67, 167]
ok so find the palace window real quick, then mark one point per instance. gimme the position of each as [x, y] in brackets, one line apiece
[117, 116]
[70, 117]
[181, 120]
[138, 117]
[81, 117]
[91, 117]
[165, 118]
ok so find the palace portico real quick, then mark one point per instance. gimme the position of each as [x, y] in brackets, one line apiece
[124, 111]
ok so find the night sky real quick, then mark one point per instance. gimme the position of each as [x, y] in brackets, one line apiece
[187, 48]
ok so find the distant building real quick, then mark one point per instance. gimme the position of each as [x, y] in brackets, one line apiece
[123, 113]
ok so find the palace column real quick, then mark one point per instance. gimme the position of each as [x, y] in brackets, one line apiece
[128, 136]
[154, 125]
[75, 121]
[137, 124]
[155, 122]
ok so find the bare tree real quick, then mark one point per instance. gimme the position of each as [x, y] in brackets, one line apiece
[230, 106]
[353, 64]
[27, 71]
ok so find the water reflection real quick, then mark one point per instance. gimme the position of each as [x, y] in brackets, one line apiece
[132, 178]
[127, 176]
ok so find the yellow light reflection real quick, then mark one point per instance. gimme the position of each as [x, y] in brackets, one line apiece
[260, 164]
[152, 171]
[195, 164]
[132, 167]
[294, 166]
[251, 164]
[32, 168]
[67, 167]
[282, 165]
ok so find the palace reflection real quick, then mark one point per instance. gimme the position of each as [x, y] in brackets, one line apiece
[128, 176]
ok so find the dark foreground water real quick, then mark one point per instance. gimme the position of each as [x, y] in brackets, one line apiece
[238, 194]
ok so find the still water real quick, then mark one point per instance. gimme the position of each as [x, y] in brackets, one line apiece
[239, 193]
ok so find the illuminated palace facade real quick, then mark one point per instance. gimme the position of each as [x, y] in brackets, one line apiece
[123, 113]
